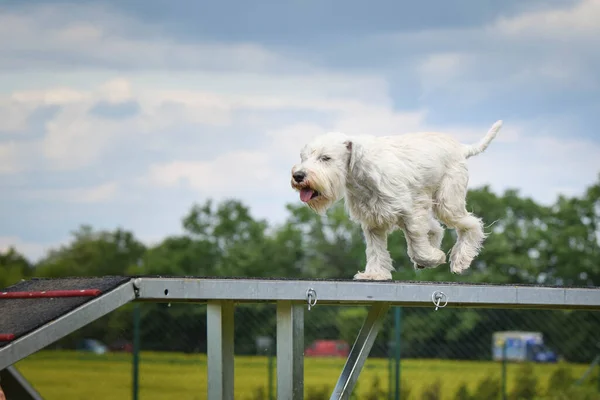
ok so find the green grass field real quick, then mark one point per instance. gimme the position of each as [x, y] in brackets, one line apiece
[72, 376]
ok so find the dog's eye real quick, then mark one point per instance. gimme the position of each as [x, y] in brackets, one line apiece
[325, 158]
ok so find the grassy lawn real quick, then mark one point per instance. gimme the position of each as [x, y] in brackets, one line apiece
[72, 376]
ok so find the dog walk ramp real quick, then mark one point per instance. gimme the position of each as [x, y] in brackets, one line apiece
[38, 312]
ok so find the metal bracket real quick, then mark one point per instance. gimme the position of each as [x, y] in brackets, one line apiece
[137, 282]
[437, 297]
[15, 386]
[310, 295]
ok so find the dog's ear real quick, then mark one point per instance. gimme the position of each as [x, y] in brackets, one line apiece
[351, 154]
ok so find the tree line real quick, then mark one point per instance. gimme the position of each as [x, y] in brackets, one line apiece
[556, 244]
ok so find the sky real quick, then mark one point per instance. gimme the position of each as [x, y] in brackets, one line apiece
[124, 113]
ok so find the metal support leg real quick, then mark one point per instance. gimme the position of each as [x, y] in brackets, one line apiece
[290, 350]
[219, 317]
[360, 351]
[15, 386]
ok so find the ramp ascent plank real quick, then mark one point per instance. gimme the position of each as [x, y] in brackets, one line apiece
[31, 323]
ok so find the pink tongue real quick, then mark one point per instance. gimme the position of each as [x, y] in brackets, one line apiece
[306, 194]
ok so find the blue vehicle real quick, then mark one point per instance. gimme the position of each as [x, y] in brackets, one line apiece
[92, 346]
[522, 346]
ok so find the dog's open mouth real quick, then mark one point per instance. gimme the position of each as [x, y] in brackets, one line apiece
[307, 194]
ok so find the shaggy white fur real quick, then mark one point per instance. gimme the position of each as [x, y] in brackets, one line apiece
[406, 181]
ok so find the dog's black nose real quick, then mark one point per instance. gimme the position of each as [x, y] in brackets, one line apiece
[299, 176]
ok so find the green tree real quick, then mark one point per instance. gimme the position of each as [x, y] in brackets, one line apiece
[349, 322]
[93, 253]
[332, 244]
[13, 267]
[238, 242]
[178, 256]
[572, 248]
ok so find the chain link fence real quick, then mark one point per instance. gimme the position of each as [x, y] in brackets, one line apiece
[450, 353]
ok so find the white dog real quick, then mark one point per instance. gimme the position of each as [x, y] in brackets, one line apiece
[391, 182]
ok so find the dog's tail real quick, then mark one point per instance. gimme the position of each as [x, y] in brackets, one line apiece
[474, 149]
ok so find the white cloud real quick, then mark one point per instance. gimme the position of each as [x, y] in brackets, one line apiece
[94, 39]
[228, 174]
[53, 96]
[102, 193]
[67, 36]
[379, 121]
[13, 117]
[542, 50]
[16, 156]
[73, 138]
[116, 90]
[76, 138]
[438, 69]
[285, 143]
[579, 21]
[541, 167]
[95, 194]
[9, 160]
[161, 108]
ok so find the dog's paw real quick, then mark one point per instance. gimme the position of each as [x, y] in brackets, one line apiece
[458, 268]
[416, 265]
[378, 276]
[441, 257]
[459, 262]
[438, 257]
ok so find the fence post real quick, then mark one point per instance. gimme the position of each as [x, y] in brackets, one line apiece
[504, 370]
[271, 391]
[397, 326]
[136, 351]
[598, 377]
[390, 358]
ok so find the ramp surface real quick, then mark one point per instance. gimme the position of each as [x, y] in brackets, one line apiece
[38, 312]
[19, 317]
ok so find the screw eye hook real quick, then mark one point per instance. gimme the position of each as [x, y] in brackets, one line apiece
[437, 297]
[311, 298]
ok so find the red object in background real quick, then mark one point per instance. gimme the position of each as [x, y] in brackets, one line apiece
[6, 337]
[331, 348]
[121, 345]
[50, 293]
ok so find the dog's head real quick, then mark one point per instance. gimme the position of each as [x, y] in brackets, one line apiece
[320, 177]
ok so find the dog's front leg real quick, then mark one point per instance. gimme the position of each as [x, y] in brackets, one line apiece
[379, 263]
